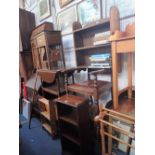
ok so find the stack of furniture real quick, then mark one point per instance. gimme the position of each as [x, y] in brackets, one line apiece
[47, 47]
[51, 89]
[26, 25]
[74, 125]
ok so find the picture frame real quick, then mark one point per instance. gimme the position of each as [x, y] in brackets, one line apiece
[44, 9]
[66, 18]
[89, 11]
[63, 3]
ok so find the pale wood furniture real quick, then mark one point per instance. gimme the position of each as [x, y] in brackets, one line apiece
[107, 126]
[123, 45]
[51, 89]
[73, 119]
[47, 47]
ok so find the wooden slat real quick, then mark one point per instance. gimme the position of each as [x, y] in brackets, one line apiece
[120, 118]
[119, 114]
[129, 134]
[119, 140]
[102, 138]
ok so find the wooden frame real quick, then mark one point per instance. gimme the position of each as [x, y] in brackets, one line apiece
[44, 9]
[89, 11]
[113, 115]
[63, 3]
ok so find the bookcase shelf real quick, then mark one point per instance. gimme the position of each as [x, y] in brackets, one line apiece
[73, 123]
[92, 47]
[93, 39]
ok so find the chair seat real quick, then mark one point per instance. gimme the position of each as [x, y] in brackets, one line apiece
[87, 87]
[53, 90]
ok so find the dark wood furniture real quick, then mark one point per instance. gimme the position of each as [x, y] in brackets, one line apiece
[51, 89]
[25, 64]
[85, 37]
[47, 47]
[74, 125]
[26, 25]
[91, 87]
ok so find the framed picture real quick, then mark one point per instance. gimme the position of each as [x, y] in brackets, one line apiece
[89, 11]
[63, 3]
[65, 20]
[44, 9]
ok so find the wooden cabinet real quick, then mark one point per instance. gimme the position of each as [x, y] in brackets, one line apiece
[74, 125]
[47, 47]
[26, 25]
[48, 113]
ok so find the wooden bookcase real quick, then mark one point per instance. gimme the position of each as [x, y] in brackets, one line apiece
[84, 38]
[83, 41]
[74, 125]
[48, 113]
[47, 47]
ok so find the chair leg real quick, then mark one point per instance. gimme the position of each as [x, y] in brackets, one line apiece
[30, 116]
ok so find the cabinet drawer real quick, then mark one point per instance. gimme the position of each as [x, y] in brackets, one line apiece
[41, 41]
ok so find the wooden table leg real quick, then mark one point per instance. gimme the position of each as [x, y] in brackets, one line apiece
[129, 75]
[114, 76]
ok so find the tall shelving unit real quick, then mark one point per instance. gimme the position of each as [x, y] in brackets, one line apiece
[84, 37]
[73, 118]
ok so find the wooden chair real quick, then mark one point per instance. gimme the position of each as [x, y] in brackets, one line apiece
[91, 87]
[51, 89]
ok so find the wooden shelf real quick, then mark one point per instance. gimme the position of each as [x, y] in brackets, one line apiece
[92, 47]
[70, 118]
[94, 25]
[47, 128]
[46, 115]
[71, 138]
